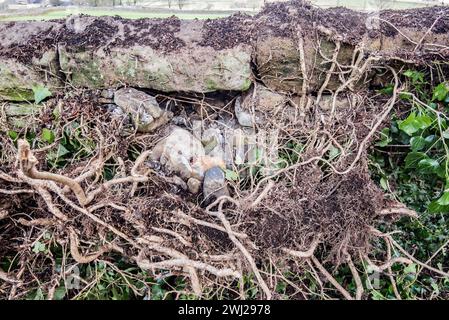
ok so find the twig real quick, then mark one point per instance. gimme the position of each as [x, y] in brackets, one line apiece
[356, 276]
[425, 34]
[263, 194]
[3, 214]
[37, 222]
[399, 210]
[17, 191]
[331, 279]
[174, 234]
[329, 72]
[74, 244]
[219, 214]
[208, 224]
[5, 277]
[390, 272]
[145, 264]
[304, 254]
[422, 264]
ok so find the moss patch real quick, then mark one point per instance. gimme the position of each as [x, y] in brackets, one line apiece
[16, 94]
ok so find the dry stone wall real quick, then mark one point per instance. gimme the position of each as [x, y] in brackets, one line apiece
[281, 47]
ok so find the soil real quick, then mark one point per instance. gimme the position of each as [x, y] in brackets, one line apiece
[282, 19]
[418, 19]
[96, 34]
[158, 34]
[285, 19]
[104, 32]
[227, 32]
[340, 208]
[35, 46]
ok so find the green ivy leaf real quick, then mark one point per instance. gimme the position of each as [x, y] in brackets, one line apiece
[376, 295]
[433, 105]
[417, 143]
[59, 293]
[385, 138]
[48, 135]
[430, 138]
[416, 76]
[405, 96]
[40, 93]
[411, 268]
[424, 121]
[157, 292]
[440, 92]
[441, 172]
[408, 73]
[431, 165]
[231, 175]
[56, 112]
[13, 134]
[414, 123]
[435, 288]
[39, 295]
[444, 199]
[333, 152]
[434, 207]
[388, 90]
[39, 247]
[413, 158]
[62, 151]
[446, 134]
[384, 183]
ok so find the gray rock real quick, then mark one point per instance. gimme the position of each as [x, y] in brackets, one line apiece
[20, 73]
[159, 122]
[214, 184]
[107, 93]
[115, 110]
[194, 185]
[212, 140]
[327, 100]
[18, 109]
[142, 107]
[263, 99]
[180, 121]
[180, 152]
[154, 165]
[20, 115]
[178, 182]
[244, 118]
[191, 67]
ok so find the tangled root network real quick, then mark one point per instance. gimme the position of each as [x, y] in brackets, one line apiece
[321, 209]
